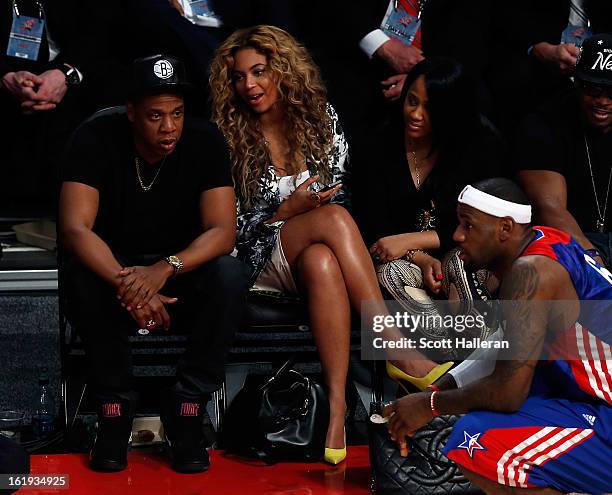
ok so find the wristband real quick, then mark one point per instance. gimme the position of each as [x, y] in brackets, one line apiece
[432, 404]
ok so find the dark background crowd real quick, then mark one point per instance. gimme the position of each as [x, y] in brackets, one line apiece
[499, 44]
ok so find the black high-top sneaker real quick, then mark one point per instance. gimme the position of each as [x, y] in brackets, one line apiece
[182, 416]
[115, 415]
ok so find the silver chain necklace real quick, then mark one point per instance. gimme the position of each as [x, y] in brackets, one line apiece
[601, 220]
[140, 181]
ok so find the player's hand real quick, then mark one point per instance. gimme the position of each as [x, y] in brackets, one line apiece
[406, 415]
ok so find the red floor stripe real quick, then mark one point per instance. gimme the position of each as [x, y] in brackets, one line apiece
[150, 474]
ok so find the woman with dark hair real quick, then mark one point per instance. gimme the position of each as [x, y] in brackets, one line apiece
[436, 144]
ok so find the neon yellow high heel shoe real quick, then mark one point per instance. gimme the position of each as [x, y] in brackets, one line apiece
[421, 383]
[335, 456]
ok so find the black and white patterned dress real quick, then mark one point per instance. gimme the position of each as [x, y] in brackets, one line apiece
[256, 239]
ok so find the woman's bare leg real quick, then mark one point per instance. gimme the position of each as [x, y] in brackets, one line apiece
[333, 226]
[321, 279]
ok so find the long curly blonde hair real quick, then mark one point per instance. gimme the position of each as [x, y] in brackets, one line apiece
[308, 125]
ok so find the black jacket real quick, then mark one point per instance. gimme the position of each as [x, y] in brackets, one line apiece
[92, 36]
[449, 28]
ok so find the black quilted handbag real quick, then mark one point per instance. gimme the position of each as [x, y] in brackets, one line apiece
[425, 471]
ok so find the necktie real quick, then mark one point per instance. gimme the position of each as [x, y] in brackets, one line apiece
[577, 29]
[577, 15]
[413, 9]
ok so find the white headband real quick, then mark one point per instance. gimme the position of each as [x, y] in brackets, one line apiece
[495, 206]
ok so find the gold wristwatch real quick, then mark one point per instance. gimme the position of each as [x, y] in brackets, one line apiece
[175, 262]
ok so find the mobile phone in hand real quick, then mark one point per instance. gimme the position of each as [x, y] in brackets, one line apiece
[330, 186]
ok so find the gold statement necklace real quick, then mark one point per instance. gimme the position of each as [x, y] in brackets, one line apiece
[417, 172]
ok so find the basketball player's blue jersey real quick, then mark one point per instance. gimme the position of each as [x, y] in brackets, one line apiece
[583, 367]
[562, 438]
[593, 282]
[590, 279]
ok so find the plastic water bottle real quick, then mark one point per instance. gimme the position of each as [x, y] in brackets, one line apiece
[44, 410]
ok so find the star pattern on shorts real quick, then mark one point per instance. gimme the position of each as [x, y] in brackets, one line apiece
[600, 42]
[470, 443]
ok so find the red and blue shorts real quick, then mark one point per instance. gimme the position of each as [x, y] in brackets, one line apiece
[553, 443]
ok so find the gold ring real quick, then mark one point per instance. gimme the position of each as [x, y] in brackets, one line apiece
[315, 197]
[151, 323]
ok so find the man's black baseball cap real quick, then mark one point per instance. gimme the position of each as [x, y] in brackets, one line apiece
[158, 74]
[594, 64]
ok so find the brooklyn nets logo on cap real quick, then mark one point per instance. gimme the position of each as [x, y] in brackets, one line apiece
[604, 58]
[163, 69]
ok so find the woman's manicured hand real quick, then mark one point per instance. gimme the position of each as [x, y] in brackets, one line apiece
[303, 199]
[431, 269]
[390, 248]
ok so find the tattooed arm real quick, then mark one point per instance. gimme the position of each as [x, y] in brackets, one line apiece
[531, 281]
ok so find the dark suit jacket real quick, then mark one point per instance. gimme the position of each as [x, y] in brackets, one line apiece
[548, 18]
[91, 35]
[244, 13]
[449, 28]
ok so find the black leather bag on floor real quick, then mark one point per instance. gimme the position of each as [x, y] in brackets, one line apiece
[425, 471]
[278, 418]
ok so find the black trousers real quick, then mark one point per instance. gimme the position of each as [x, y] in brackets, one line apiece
[210, 308]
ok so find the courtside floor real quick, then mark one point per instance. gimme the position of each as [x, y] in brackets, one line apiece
[150, 474]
